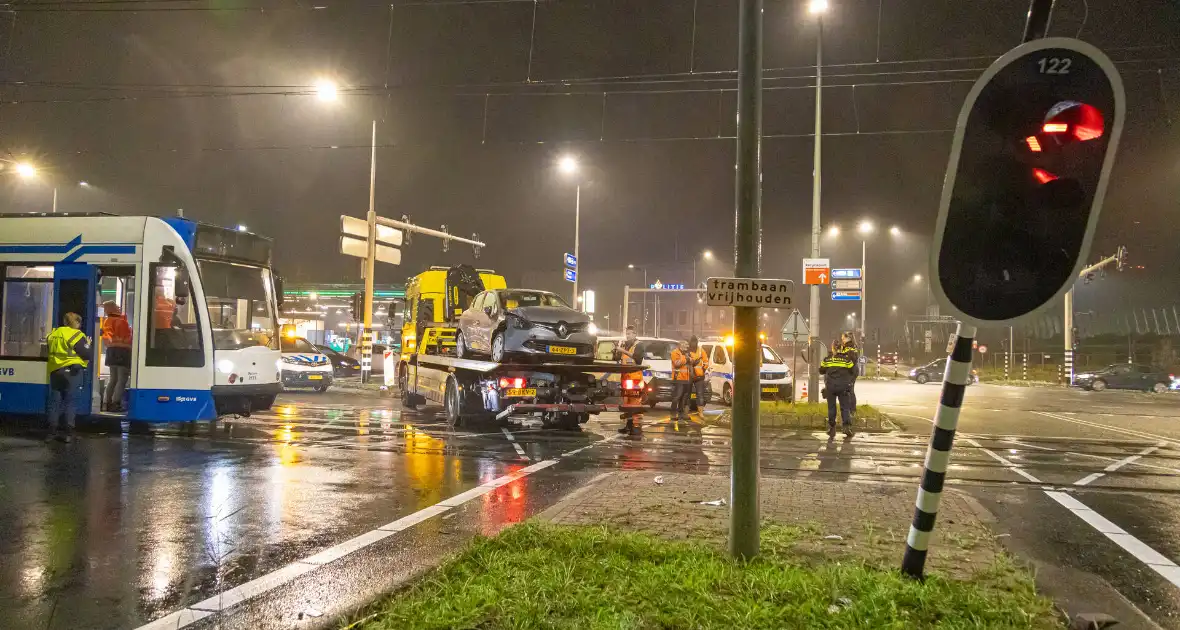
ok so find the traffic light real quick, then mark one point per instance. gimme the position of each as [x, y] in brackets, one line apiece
[1033, 148]
[356, 308]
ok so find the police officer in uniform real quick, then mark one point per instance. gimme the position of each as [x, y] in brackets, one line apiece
[839, 370]
[69, 354]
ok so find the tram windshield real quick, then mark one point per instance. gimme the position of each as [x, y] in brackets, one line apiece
[240, 299]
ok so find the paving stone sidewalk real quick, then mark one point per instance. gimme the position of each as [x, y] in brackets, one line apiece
[867, 521]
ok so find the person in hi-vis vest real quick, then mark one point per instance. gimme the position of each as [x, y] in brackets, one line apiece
[69, 354]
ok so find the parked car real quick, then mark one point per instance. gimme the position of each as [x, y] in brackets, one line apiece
[342, 364]
[934, 370]
[1126, 376]
[304, 365]
[504, 323]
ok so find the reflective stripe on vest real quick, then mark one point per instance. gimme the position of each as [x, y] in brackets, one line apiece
[61, 348]
[836, 362]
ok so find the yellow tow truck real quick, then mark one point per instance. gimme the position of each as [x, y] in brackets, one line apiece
[562, 395]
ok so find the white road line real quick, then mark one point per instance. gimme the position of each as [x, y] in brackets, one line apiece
[1005, 461]
[1019, 443]
[192, 614]
[1140, 434]
[1153, 559]
[1140, 464]
[1117, 465]
[519, 448]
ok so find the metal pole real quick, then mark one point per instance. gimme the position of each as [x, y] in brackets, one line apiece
[1068, 334]
[864, 248]
[813, 357]
[577, 240]
[938, 453]
[693, 328]
[743, 514]
[627, 304]
[645, 285]
[370, 260]
[55, 200]
[1011, 350]
[1037, 23]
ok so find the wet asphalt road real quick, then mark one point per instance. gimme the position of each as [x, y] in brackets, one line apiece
[116, 531]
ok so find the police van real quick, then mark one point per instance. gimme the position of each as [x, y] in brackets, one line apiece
[777, 382]
[653, 352]
[304, 365]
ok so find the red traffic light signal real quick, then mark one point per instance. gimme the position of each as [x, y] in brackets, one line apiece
[1033, 148]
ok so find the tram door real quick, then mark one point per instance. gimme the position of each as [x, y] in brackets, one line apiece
[73, 292]
[115, 284]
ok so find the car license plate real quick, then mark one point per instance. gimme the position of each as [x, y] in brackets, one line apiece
[315, 377]
[521, 392]
[771, 389]
[562, 350]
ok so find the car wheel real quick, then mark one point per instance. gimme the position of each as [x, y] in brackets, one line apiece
[1098, 385]
[452, 404]
[923, 379]
[321, 388]
[498, 347]
[727, 396]
[1159, 388]
[403, 382]
[461, 350]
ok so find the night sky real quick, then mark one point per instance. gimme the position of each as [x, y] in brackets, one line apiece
[208, 106]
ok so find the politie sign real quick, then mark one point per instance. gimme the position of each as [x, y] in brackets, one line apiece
[754, 292]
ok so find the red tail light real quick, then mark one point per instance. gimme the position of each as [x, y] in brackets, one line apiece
[1043, 176]
[1055, 128]
[518, 382]
[505, 383]
[632, 384]
[1034, 145]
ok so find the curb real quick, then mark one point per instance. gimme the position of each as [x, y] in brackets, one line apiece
[549, 513]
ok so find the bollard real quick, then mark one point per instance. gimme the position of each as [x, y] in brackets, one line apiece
[1024, 366]
[938, 454]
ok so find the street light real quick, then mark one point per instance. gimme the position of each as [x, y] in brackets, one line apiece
[834, 231]
[865, 227]
[26, 170]
[643, 323]
[816, 8]
[707, 254]
[84, 184]
[895, 231]
[326, 90]
[568, 165]
[917, 277]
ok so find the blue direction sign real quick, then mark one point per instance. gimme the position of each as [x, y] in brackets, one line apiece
[845, 273]
[571, 275]
[571, 261]
[846, 296]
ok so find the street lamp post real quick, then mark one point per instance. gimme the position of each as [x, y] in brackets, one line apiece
[707, 255]
[569, 166]
[865, 228]
[643, 322]
[817, 8]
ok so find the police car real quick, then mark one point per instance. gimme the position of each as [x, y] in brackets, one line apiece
[777, 382]
[304, 365]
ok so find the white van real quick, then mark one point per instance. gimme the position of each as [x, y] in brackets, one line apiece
[777, 381]
[656, 356]
[305, 366]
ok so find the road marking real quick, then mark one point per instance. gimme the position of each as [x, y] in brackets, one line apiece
[1140, 434]
[1153, 559]
[1117, 465]
[1140, 464]
[1005, 461]
[262, 584]
[519, 448]
[1019, 443]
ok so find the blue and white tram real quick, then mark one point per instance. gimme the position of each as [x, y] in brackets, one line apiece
[201, 301]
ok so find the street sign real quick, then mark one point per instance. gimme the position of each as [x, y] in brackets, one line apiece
[846, 273]
[660, 286]
[982, 349]
[816, 270]
[571, 275]
[571, 261]
[350, 246]
[850, 284]
[846, 296]
[795, 327]
[755, 292]
[359, 228]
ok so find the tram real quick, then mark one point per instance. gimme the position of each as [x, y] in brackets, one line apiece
[201, 301]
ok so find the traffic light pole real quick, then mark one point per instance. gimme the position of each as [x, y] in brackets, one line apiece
[1037, 23]
[370, 263]
[1067, 319]
[743, 513]
[813, 340]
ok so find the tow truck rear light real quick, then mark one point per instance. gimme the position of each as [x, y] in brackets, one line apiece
[506, 382]
[632, 384]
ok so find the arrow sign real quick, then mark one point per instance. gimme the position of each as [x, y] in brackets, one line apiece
[795, 327]
[571, 275]
[359, 228]
[816, 270]
[571, 261]
[846, 296]
[845, 273]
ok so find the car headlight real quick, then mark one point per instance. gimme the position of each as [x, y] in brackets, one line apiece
[290, 361]
[913, 372]
[592, 329]
[518, 322]
[225, 366]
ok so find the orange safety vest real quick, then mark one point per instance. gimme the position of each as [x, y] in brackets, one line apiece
[163, 312]
[679, 365]
[702, 363]
[116, 332]
[627, 357]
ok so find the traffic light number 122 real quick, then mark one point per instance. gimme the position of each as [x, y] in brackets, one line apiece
[1054, 65]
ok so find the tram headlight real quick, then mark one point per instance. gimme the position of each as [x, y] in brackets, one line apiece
[225, 366]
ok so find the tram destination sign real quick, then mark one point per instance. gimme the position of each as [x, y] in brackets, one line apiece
[752, 292]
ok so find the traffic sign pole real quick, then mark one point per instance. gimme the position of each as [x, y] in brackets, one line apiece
[743, 513]
[370, 263]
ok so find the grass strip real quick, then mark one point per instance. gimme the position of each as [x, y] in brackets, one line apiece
[543, 576]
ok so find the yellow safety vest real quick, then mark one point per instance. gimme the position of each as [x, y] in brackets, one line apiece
[61, 348]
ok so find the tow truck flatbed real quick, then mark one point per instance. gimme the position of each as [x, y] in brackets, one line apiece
[488, 367]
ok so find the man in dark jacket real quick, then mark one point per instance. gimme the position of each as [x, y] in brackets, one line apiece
[839, 370]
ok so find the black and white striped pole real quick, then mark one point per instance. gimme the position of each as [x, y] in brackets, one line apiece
[1024, 366]
[938, 453]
